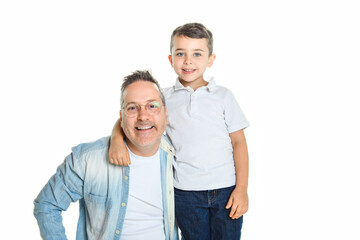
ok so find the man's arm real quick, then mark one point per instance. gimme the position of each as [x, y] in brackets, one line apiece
[62, 189]
[118, 153]
[239, 201]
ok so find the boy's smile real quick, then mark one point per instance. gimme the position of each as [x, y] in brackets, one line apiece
[190, 58]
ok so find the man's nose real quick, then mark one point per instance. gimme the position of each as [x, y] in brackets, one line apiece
[143, 113]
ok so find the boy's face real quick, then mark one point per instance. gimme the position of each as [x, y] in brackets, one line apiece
[190, 58]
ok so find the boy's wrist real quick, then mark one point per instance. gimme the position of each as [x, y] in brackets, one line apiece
[241, 188]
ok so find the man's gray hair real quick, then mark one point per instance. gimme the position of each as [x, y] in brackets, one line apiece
[145, 76]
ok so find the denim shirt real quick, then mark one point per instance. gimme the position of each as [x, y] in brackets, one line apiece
[102, 191]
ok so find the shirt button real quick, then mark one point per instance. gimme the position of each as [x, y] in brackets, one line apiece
[123, 204]
[126, 177]
[117, 232]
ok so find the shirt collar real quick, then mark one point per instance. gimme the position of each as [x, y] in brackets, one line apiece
[211, 84]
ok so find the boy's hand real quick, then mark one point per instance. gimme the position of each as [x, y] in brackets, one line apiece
[239, 203]
[118, 154]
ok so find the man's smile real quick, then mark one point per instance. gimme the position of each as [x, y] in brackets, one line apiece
[144, 128]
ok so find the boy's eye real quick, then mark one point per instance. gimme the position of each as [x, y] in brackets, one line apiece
[197, 54]
[180, 54]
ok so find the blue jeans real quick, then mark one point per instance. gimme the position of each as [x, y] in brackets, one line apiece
[201, 215]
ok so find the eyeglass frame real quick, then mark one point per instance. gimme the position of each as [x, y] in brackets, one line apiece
[139, 107]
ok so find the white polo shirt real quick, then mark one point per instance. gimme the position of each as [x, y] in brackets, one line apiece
[199, 126]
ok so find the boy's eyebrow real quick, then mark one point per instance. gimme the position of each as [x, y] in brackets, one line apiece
[196, 49]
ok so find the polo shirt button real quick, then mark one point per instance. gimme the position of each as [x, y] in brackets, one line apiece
[123, 204]
[117, 232]
[126, 177]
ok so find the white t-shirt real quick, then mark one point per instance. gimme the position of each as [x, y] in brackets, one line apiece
[199, 126]
[144, 218]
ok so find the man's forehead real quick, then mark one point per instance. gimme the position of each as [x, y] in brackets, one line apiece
[141, 90]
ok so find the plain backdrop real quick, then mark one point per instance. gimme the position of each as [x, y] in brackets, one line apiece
[294, 67]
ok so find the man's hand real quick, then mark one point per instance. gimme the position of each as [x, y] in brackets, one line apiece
[239, 203]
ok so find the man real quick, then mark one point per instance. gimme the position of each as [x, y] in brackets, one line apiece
[132, 202]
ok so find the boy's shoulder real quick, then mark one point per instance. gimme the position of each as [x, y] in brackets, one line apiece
[167, 89]
[220, 91]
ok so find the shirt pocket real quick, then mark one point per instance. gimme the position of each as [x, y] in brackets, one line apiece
[97, 211]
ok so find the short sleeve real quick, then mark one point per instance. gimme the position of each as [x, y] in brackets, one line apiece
[234, 117]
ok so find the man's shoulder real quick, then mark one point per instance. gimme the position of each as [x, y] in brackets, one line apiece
[165, 144]
[89, 147]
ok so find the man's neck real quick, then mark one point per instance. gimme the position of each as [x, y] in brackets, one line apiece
[143, 151]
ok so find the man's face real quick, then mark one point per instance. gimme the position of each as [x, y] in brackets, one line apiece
[143, 131]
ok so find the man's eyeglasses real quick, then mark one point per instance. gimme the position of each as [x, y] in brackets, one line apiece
[132, 109]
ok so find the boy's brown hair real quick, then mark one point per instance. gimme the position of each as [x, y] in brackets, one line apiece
[193, 30]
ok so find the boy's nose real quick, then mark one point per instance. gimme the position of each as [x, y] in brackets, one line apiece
[187, 60]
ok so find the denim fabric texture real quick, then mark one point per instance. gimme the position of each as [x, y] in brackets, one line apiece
[102, 191]
[202, 215]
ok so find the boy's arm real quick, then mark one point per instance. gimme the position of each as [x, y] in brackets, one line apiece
[118, 153]
[239, 201]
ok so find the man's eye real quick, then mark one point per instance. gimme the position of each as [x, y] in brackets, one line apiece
[131, 108]
[152, 106]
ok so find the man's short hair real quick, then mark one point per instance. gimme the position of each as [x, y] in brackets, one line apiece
[193, 30]
[139, 76]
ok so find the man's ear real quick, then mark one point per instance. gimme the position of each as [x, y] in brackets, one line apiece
[120, 118]
[211, 60]
[167, 116]
[170, 60]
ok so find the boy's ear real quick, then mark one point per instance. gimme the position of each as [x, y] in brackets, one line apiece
[170, 60]
[211, 60]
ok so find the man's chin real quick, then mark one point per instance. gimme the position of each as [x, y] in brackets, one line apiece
[146, 142]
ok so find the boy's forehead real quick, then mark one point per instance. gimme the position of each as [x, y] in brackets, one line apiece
[183, 42]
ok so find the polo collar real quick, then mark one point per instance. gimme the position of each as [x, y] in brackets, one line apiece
[211, 86]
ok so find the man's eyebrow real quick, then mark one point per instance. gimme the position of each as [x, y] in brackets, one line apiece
[147, 101]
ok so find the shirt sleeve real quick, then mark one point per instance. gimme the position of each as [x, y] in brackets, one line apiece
[234, 117]
[64, 187]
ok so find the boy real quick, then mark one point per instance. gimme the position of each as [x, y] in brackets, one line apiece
[206, 128]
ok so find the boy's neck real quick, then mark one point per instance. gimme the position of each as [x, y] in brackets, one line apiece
[194, 84]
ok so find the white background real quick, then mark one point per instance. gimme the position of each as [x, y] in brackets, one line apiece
[294, 67]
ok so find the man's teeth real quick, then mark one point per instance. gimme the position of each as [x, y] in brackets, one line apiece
[143, 128]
